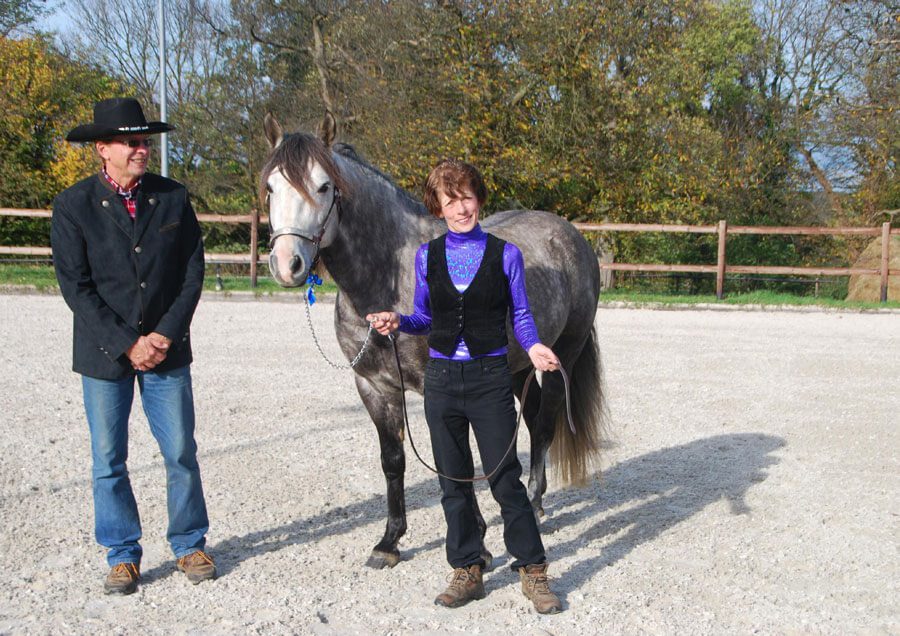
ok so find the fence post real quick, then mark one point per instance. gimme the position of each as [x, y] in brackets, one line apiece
[254, 244]
[720, 262]
[885, 258]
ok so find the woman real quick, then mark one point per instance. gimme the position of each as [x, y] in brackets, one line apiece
[467, 281]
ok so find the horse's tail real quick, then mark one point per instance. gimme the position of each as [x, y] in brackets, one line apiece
[572, 455]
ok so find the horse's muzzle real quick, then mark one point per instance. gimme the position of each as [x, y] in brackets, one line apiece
[288, 272]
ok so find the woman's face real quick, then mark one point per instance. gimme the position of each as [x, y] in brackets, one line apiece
[460, 211]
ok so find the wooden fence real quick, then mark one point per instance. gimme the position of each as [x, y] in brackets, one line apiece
[720, 269]
[251, 257]
[723, 230]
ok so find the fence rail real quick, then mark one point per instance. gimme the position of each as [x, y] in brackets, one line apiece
[720, 269]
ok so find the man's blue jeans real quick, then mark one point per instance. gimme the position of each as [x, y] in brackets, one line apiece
[168, 402]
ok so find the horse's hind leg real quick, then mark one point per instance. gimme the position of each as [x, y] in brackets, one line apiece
[385, 413]
[552, 400]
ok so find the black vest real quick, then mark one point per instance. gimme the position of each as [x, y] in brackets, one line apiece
[479, 313]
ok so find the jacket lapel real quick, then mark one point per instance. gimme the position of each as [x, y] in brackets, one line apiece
[112, 205]
[147, 204]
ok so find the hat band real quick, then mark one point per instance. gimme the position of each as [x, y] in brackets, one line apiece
[132, 128]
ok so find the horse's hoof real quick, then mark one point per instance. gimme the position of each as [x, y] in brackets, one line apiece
[488, 560]
[380, 560]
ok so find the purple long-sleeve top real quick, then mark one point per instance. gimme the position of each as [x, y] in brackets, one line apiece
[464, 254]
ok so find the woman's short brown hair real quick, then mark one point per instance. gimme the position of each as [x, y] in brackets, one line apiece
[451, 177]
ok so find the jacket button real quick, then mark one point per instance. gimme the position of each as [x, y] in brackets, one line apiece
[137, 249]
[143, 285]
[105, 203]
[152, 201]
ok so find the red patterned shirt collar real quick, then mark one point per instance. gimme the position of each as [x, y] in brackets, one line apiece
[129, 196]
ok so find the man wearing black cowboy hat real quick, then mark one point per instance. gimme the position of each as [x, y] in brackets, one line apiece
[129, 259]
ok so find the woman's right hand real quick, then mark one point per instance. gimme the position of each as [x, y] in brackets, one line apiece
[384, 322]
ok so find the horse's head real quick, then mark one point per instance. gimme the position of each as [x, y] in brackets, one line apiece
[302, 186]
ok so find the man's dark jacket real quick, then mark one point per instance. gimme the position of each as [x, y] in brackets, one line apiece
[123, 278]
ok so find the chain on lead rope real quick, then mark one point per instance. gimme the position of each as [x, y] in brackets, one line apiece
[310, 299]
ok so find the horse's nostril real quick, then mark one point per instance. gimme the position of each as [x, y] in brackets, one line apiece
[296, 263]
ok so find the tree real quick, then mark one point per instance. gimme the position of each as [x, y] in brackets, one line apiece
[216, 92]
[43, 95]
[19, 15]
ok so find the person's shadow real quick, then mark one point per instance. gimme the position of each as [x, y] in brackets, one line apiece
[650, 494]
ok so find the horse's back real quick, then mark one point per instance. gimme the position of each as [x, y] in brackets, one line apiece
[549, 241]
[562, 273]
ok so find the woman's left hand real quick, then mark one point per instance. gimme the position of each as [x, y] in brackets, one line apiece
[543, 358]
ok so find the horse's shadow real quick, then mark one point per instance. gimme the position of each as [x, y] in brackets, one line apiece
[639, 499]
[647, 495]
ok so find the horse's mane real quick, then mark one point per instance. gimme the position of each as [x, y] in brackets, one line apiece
[347, 151]
[296, 150]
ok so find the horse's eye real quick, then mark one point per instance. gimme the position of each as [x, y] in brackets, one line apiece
[323, 188]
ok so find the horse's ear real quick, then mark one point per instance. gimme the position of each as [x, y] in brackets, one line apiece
[327, 129]
[274, 133]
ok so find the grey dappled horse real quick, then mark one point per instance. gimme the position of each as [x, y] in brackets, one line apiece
[325, 202]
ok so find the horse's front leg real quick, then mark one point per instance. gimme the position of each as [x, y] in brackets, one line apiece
[385, 413]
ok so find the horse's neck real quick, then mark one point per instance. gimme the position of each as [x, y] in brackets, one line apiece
[372, 259]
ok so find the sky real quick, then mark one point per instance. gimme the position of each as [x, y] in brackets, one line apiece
[57, 19]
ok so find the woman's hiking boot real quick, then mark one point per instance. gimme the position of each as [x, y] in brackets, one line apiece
[536, 586]
[198, 566]
[465, 584]
[122, 579]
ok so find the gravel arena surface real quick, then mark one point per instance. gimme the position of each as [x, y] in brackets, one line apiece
[752, 486]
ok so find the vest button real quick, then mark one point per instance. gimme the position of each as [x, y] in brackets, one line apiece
[143, 285]
[137, 249]
[105, 203]
[152, 201]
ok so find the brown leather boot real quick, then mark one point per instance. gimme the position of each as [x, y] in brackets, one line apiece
[198, 566]
[465, 585]
[122, 578]
[536, 586]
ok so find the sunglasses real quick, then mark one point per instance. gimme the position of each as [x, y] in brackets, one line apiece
[136, 143]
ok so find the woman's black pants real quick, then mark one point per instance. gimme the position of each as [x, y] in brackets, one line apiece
[478, 392]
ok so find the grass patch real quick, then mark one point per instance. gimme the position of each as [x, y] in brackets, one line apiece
[759, 297]
[42, 278]
[265, 286]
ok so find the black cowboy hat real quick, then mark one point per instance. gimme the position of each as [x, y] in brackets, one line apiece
[117, 116]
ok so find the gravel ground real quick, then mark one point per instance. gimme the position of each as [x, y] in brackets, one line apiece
[752, 487]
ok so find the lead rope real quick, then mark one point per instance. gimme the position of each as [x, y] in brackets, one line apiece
[515, 434]
[315, 338]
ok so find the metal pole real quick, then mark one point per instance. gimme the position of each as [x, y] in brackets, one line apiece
[885, 259]
[163, 138]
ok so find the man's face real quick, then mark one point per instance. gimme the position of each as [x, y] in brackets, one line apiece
[125, 157]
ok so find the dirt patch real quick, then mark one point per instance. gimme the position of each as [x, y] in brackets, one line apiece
[753, 487]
